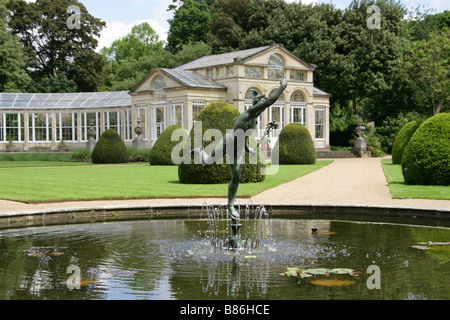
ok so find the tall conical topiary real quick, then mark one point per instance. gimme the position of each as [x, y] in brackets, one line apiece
[161, 153]
[295, 145]
[110, 149]
[221, 116]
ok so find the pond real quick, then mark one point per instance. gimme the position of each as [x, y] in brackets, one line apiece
[174, 260]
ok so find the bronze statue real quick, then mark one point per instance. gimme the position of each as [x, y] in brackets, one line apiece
[245, 122]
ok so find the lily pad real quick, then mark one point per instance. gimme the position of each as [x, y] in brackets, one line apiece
[319, 271]
[420, 247]
[342, 271]
[356, 274]
[291, 273]
[302, 274]
[333, 282]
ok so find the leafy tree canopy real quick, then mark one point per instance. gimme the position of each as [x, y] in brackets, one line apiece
[52, 47]
[13, 76]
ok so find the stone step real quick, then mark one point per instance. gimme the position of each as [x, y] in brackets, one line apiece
[328, 154]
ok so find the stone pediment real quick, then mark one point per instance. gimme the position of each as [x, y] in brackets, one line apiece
[177, 78]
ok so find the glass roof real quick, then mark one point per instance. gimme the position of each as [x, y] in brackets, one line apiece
[64, 100]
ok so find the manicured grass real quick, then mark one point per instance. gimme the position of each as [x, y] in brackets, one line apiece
[400, 190]
[35, 156]
[13, 164]
[122, 182]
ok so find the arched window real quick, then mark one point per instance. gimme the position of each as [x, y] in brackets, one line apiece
[159, 87]
[298, 96]
[249, 94]
[276, 67]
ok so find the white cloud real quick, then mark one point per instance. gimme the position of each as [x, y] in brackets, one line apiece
[118, 29]
[440, 5]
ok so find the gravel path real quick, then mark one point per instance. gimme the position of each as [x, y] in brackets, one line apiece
[359, 181]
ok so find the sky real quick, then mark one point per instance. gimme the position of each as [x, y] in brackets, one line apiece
[122, 15]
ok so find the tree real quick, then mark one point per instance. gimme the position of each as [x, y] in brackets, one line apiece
[425, 23]
[375, 53]
[190, 23]
[51, 45]
[13, 76]
[429, 67]
[142, 41]
[229, 26]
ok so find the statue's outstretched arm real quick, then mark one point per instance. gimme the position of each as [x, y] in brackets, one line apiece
[263, 105]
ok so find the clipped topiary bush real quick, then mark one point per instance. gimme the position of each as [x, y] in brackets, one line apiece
[427, 155]
[161, 153]
[402, 140]
[295, 145]
[110, 149]
[221, 116]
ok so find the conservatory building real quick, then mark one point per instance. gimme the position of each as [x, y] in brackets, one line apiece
[172, 96]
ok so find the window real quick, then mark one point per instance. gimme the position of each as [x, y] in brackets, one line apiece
[298, 75]
[159, 87]
[276, 113]
[298, 96]
[253, 72]
[177, 113]
[40, 127]
[11, 126]
[197, 107]
[158, 120]
[111, 121]
[298, 114]
[66, 127]
[276, 67]
[320, 123]
[298, 107]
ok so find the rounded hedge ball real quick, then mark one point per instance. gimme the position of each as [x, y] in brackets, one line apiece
[427, 155]
[161, 153]
[110, 149]
[295, 145]
[401, 141]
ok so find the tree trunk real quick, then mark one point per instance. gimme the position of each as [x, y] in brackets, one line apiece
[441, 103]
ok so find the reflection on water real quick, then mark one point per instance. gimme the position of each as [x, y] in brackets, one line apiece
[173, 259]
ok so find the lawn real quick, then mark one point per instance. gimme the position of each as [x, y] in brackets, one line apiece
[38, 163]
[40, 184]
[400, 190]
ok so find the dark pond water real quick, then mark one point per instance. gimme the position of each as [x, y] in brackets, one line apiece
[174, 260]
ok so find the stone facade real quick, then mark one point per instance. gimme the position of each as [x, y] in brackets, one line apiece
[177, 96]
